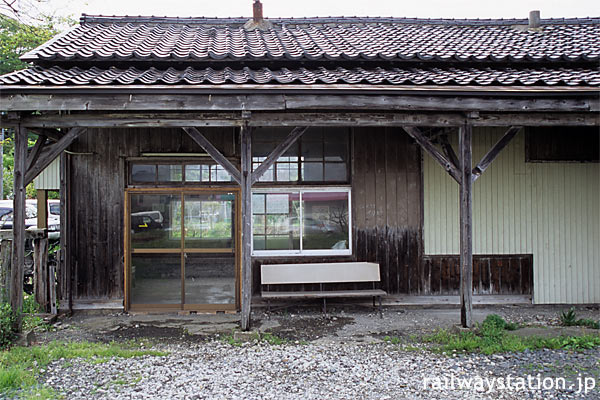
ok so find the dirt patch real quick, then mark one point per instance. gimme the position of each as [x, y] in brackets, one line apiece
[309, 328]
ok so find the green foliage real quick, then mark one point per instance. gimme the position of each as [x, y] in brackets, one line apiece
[17, 38]
[7, 320]
[569, 318]
[19, 366]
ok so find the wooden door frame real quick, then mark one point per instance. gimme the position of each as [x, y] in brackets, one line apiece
[128, 251]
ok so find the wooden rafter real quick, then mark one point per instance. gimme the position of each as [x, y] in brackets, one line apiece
[441, 159]
[35, 152]
[281, 148]
[54, 151]
[214, 153]
[494, 151]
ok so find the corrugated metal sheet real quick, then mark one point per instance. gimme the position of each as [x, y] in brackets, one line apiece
[49, 179]
[550, 210]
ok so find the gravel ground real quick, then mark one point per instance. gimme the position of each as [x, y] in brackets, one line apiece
[218, 370]
[339, 356]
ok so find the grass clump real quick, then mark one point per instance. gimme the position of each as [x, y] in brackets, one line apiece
[491, 337]
[569, 318]
[20, 366]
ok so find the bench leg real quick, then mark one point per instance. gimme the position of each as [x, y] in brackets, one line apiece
[325, 306]
[268, 306]
[373, 301]
[380, 313]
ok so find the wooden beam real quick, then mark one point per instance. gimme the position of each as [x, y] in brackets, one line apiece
[426, 144]
[35, 152]
[214, 153]
[246, 155]
[437, 103]
[52, 153]
[466, 227]
[277, 152]
[338, 118]
[18, 261]
[5, 267]
[303, 101]
[449, 151]
[494, 151]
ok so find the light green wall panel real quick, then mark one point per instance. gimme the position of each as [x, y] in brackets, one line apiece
[550, 210]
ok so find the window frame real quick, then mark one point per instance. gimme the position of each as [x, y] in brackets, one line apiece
[302, 252]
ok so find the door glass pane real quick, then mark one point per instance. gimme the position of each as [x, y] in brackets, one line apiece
[155, 221]
[156, 279]
[209, 278]
[325, 222]
[209, 221]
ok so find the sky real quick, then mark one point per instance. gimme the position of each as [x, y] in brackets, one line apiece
[312, 8]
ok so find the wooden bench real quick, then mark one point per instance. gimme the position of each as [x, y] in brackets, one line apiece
[322, 273]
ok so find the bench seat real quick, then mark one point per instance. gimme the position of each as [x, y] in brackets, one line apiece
[322, 274]
[325, 293]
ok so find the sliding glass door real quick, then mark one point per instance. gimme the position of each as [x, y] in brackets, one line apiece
[182, 249]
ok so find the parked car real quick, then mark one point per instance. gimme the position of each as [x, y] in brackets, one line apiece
[6, 221]
[6, 206]
[144, 223]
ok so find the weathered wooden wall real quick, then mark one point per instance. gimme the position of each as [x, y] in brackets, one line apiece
[492, 274]
[97, 181]
[387, 206]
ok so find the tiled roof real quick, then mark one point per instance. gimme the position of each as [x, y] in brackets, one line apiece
[392, 76]
[201, 39]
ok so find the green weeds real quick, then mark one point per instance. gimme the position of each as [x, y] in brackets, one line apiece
[20, 366]
[491, 337]
[569, 318]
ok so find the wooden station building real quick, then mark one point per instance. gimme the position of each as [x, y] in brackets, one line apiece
[460, 155]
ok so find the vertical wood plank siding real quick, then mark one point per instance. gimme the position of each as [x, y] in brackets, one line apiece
[387, 206]
[550, 210]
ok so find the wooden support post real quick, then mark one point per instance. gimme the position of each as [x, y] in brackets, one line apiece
[16, 290]
[214, 153]
[466, 227]
[52, 288]
[64, 259]
[42, 209]
[246, 184]
[5, 261]
[40, 272]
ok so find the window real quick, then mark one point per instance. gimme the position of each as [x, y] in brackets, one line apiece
[301, 221]
[562, 144]
[191, 173]
[321, 155]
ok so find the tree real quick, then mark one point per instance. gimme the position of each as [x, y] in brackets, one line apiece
[17, 38]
